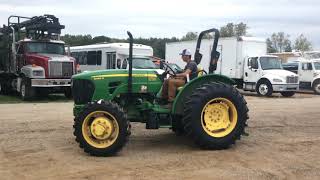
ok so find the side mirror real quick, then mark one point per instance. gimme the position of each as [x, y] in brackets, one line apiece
[68, 50]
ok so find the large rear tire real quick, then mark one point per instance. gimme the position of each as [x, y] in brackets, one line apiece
[215, 116]
[177, 126]
[102, 129]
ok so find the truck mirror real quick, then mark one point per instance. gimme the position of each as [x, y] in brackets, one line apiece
[68, 50]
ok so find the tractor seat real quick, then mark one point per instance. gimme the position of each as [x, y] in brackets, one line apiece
[200, 72]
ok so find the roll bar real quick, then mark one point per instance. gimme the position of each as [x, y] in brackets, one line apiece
[214, 53]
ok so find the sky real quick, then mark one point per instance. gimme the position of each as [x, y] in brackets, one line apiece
[168, 18]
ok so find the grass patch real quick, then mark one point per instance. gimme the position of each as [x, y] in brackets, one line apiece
[9, 99]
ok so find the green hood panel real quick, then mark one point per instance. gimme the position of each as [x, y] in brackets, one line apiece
[111, 83]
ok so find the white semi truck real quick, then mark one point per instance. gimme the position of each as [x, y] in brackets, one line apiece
[242, 59]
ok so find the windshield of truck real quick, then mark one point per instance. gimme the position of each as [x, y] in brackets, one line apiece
[270, 63]
[317, 65]
[44, 47]
[143, 63]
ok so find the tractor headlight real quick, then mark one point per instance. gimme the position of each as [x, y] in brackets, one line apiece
[277, 80]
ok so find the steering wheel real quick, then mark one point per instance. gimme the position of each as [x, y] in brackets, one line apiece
[169, 70]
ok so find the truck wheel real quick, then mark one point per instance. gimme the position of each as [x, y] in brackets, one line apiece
[316, 87]
[287, 93]
[101, 129]
[26, 91]
[67, 93]
[42, 92]
[264, 88]
[4, 88]
[215, 116]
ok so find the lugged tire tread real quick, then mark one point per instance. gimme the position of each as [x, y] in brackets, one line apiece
[198, 96]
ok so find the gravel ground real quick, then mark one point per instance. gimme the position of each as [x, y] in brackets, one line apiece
[36, 142]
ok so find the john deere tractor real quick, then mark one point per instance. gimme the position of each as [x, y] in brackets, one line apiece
[209, 110]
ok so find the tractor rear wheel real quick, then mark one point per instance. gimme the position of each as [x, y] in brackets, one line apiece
[102, 128]
[177, 126]
[215, 116]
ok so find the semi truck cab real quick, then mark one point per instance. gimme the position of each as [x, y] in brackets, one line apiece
[308, 71]
[32, 57]
[265, 75]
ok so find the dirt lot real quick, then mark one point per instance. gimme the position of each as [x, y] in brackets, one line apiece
[36, 142]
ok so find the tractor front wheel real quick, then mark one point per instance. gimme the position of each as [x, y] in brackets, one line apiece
[215, 116]
[101, 129]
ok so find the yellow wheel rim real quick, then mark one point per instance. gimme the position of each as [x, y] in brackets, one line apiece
[100, 129]
[219, 117]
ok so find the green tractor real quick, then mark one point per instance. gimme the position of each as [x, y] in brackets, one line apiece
[208, 109]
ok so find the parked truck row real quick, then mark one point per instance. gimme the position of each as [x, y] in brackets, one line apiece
[243, 59]
[33, 60]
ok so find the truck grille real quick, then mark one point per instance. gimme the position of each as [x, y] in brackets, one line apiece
[59, 69]
[292, 79]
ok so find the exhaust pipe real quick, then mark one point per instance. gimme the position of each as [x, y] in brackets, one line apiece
[130, 63]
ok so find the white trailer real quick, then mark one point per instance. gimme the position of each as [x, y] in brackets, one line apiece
[242, 59]
[110, 56]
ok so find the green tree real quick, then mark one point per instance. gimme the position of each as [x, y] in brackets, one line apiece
[302, 43]
[77, 40]
[234, 30]
[190, 36]
[227, 30]
[279, 42]
[270, 47]
[240, 29]
[101, 39]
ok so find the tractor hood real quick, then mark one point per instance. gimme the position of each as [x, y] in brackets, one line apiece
[110, 73]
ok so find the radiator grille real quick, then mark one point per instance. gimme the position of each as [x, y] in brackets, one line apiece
[59, 69]
[292, 79]
[82, 91]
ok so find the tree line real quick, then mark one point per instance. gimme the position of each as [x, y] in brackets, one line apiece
[278, 42]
